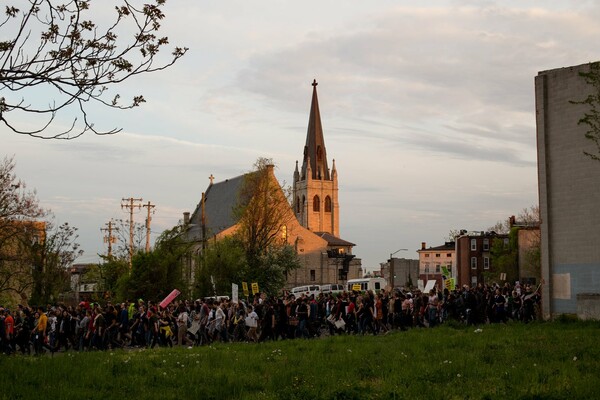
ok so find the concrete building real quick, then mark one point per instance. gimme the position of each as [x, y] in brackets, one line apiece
[569, 190]
[405, 272]
[432, 260]
[311, 223]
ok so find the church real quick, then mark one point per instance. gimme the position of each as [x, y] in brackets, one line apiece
[313, 224]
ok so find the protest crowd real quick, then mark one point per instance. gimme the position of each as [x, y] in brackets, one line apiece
[90, 326]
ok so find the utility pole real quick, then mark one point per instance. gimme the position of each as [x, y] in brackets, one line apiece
[110, 239]
[148, 219]
[130, 206]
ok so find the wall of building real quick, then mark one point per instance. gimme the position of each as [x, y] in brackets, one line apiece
[569, 189]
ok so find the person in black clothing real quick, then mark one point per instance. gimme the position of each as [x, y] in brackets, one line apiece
[267, 323]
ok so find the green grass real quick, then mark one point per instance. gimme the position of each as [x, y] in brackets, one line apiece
[559, 360]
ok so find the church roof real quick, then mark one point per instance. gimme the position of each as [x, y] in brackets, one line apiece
[220, 200]
[314, 149]
[333, 240]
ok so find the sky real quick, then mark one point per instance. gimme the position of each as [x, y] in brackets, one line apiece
[427, 108]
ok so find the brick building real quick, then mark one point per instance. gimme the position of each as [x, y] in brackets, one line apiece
[473, 258]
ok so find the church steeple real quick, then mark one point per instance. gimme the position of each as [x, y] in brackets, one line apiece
[315, 186]
[314, 149]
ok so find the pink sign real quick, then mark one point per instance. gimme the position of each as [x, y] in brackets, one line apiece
[169, 298]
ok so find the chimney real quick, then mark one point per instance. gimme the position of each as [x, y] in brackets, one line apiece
[423, 244]
[512, 221]
[186, 218]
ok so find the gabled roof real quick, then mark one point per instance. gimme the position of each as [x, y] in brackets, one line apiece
[220, 200]
[333, 240]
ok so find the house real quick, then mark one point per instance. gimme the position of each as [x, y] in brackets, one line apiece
[311, 223]
[434, 260]
[474, 260]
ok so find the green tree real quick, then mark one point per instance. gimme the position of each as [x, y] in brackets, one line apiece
[505, 257]
[156, 273]
[58, 47]
[222, 263]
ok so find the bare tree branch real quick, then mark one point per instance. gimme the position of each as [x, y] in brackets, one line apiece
[56, 48]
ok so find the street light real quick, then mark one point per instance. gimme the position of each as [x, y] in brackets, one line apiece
[392, 267]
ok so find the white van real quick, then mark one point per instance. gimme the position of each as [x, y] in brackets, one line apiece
[307, 291]
[361, 285]
[333, 288]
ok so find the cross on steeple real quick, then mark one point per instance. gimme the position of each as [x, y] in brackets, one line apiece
[212, 178]
[314, 82]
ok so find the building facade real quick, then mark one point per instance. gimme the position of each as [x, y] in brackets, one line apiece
[474, 259]
[569, 190]
[433, 260]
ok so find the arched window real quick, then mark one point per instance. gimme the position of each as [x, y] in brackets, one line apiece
[297, 205]
[319, 153]
[327, 204]
[316, 203]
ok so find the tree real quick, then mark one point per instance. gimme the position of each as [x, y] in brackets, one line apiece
[51, 258]
[19, 211]
[264, 212]
[58, 49]
[156, 273]
[222, 263]
[591, 119]
[505, 256]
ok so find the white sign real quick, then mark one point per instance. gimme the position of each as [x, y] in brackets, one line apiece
[234, 293]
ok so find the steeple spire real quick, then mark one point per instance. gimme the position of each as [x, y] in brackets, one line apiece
[314, 149]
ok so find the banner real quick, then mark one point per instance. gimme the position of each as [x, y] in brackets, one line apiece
[254, 288]
[245, 289]
[234, 293]
[450, 283]
[445, 271]
[169, 298]
[356, 287]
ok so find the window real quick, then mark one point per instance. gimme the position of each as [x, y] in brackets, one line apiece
[297, 205]
[426, 255]
[316, 203]
[486, 244]
[437, 254]
[437, 269]
[377, 285]
[313, 275]
[473, 244]
[449, 255]
[486, 263]
[473, 262]
[427, 268]
[327, 204]
[343, 275]
[284, 232]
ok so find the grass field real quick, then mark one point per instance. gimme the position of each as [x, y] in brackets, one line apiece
[558, 360]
